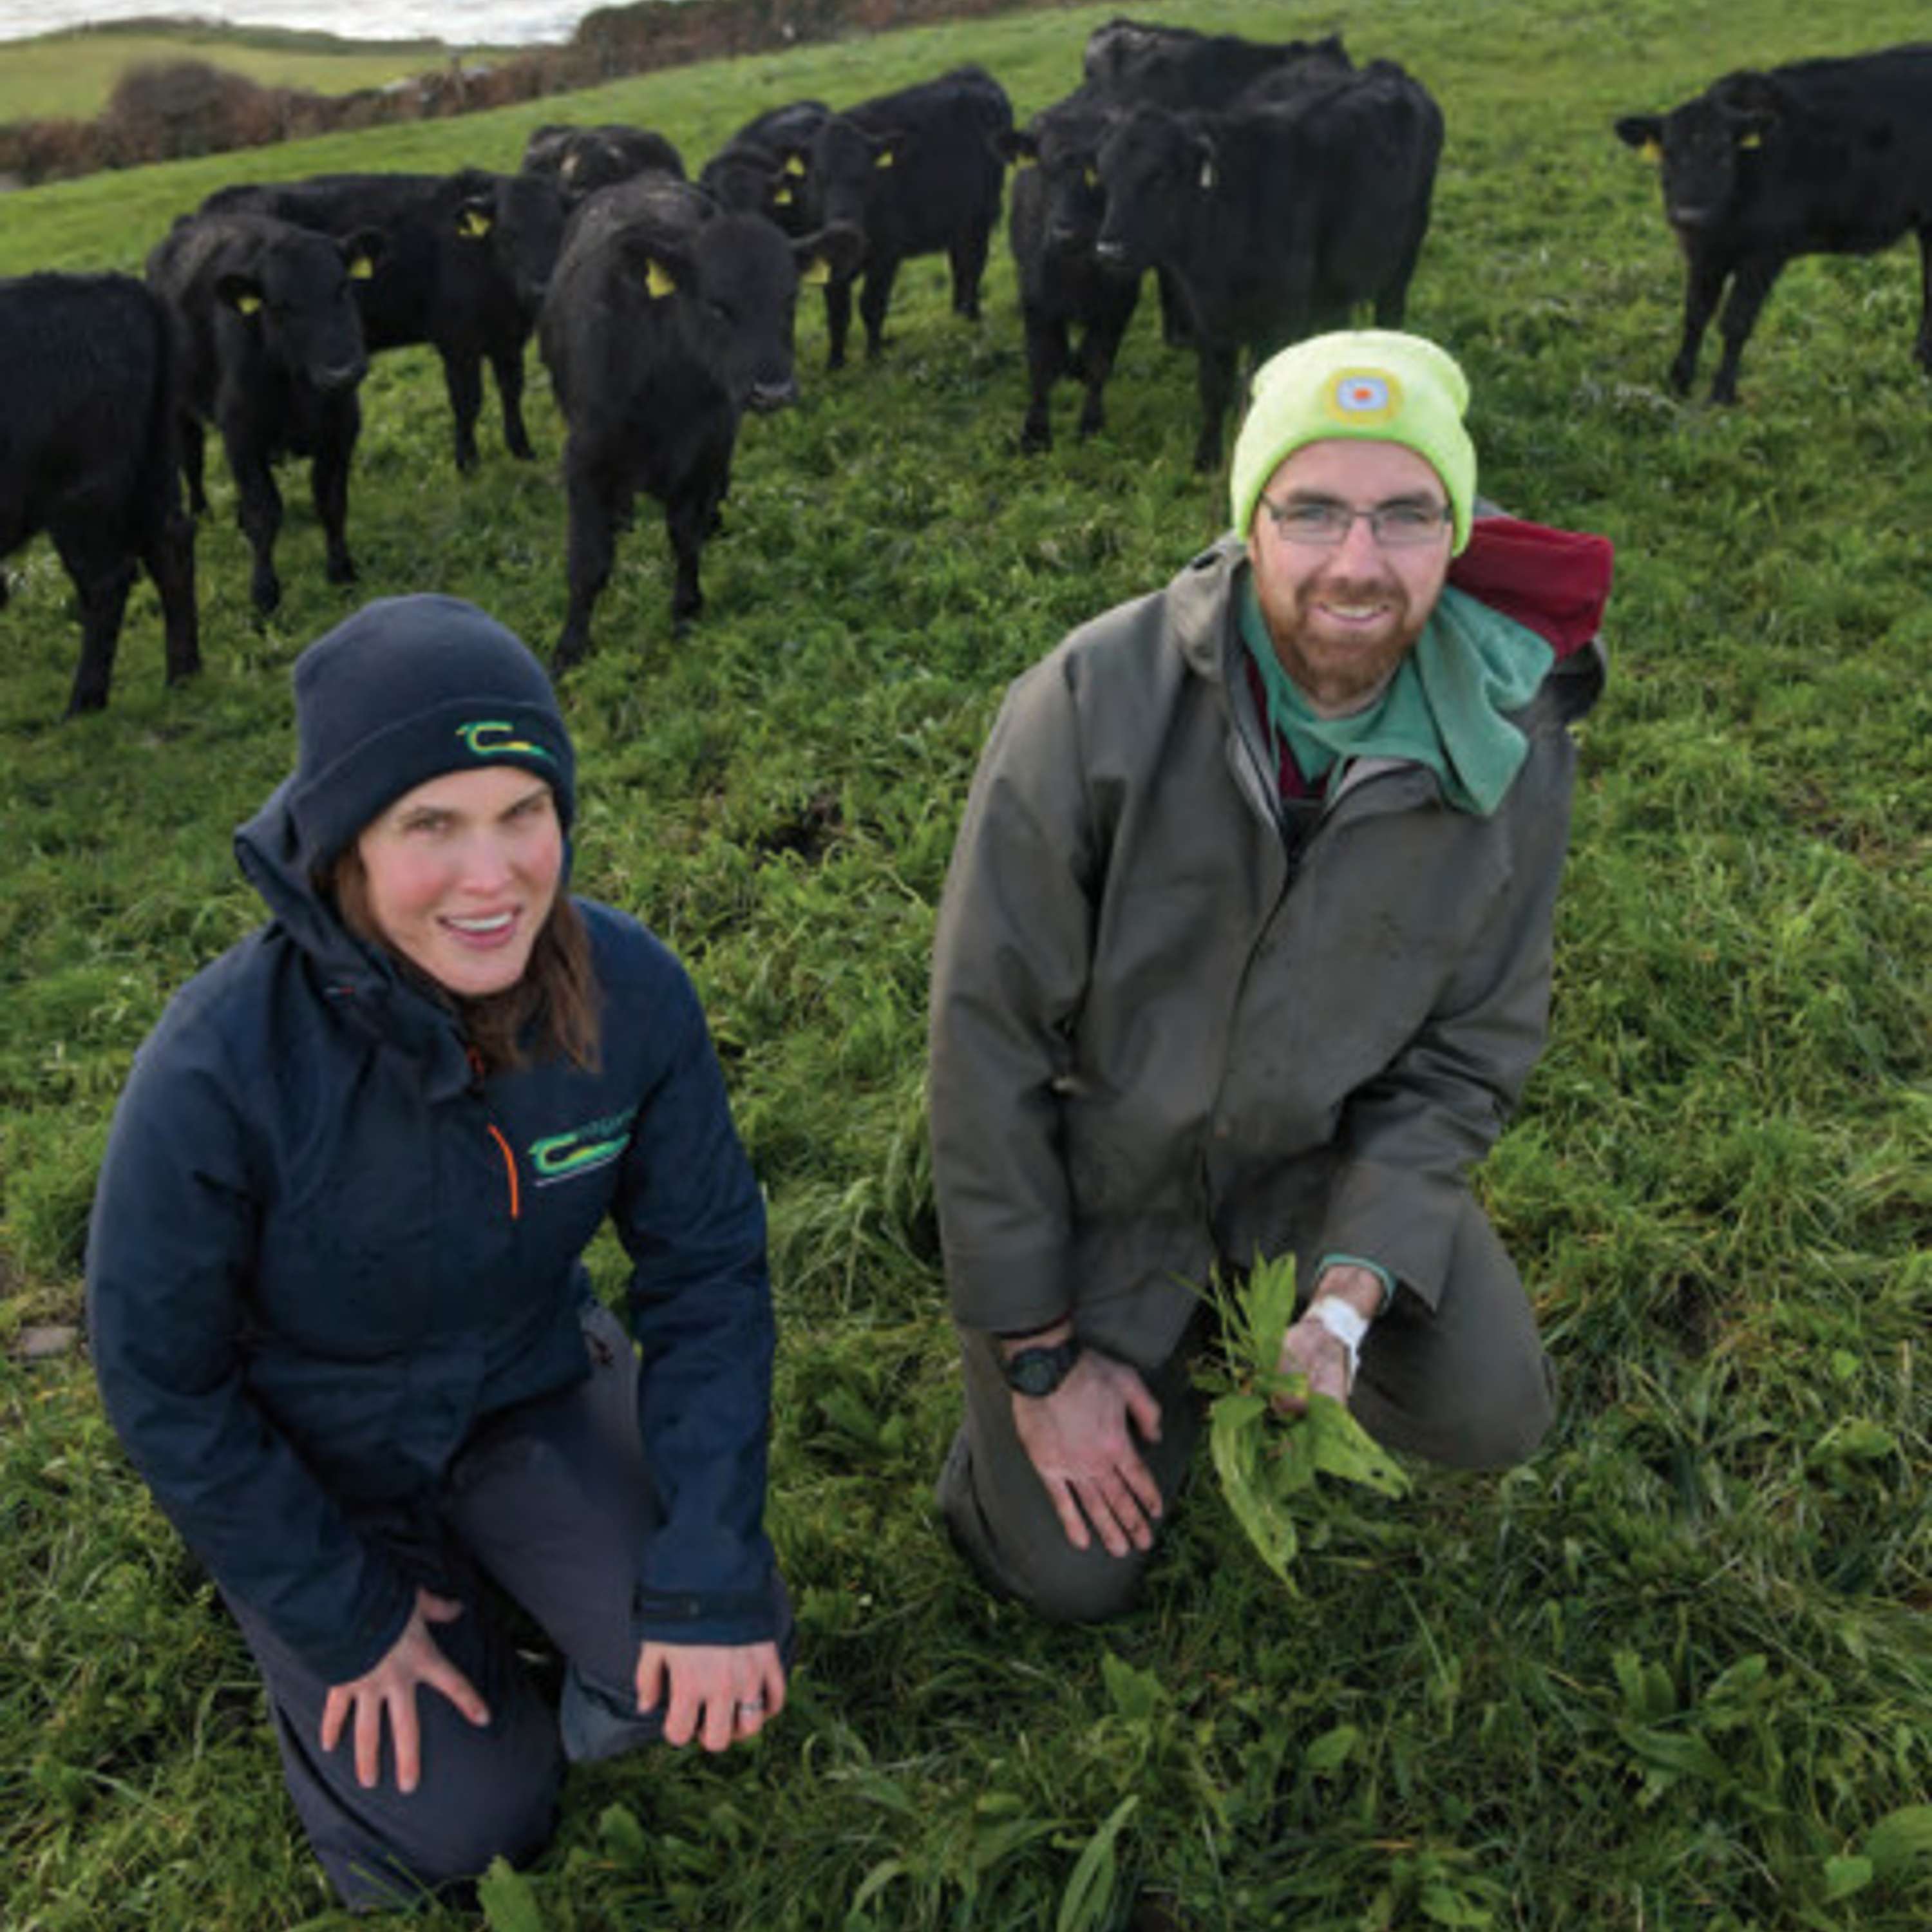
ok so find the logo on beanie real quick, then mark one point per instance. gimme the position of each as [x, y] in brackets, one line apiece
[489, 738]
[1361, 396]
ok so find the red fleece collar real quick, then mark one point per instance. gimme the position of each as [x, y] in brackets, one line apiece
[1553, 582]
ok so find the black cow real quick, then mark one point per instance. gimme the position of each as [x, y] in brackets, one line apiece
[1276, 218]
[667, 318]
[1055, 220]
[1132, 63]
[761, 169]
[88, 454]
[917, 173]
[1822, 158]
[272, 354]
[582, 160]
[466, 259]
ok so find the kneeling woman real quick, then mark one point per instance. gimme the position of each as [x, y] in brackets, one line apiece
[338, 1307]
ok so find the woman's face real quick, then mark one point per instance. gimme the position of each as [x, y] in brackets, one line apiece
[462, 873]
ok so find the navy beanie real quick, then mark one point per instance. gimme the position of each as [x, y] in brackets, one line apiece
[408, 688]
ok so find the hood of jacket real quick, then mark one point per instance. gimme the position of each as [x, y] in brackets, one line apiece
[364, 983]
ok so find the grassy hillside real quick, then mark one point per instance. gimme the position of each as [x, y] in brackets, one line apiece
[1673, 1676]
[72, 73]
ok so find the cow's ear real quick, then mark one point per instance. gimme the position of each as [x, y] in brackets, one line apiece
[1643, 132]
[893, 149]
[363, 251]
[661, 271]
[832, 253]
[242, 293]
[1014, 144]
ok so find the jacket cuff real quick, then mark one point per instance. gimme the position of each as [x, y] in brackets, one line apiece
[719, 1617]
[1406, 1220]
[1009, 1294]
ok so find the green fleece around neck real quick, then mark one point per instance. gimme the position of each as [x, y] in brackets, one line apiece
[1443, 708]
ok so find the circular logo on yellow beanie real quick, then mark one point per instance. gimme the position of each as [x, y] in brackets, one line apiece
[1361, 396]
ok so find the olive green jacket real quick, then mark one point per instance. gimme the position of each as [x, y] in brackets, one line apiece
[1152, 1045]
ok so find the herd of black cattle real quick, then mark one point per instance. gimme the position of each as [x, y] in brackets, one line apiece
[664, 308]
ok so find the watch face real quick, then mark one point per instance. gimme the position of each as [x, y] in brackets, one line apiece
[1038, 1372]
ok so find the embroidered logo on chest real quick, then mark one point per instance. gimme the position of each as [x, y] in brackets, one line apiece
[580, 1150]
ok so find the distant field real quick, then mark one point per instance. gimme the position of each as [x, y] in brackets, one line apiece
[72, 74]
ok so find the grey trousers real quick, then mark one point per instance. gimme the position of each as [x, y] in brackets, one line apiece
[1468, 1384]
[551, 1502]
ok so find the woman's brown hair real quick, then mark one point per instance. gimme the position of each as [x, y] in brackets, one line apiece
[551, 1011]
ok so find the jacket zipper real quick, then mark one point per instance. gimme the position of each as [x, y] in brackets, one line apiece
[495, 1133]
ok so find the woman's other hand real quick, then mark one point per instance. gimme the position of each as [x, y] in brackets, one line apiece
[717, 1692]
[413, 1659]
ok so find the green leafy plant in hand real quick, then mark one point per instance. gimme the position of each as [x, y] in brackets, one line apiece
[1265, 1454]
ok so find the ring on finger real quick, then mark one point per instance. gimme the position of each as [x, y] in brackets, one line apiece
[751, 1707]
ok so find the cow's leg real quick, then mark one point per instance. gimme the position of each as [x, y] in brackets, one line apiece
[258, 509]
[1704, 277]
[193, 461]
[1749, 287]
[1216, 378]
[1098, 349]
[169, 554]
[876, 297]
[102, 578]
[1046, 359]
[687, 520]
[968, 257]
[593, 549]
[1177, 325]
[463, 376]
[1922, 349]
[838, 319]
[329, 479]
[506, 363]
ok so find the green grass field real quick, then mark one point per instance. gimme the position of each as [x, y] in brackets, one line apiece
[1675, 1675]
[72, 74]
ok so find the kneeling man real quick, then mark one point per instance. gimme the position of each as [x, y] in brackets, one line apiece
[1245, 950]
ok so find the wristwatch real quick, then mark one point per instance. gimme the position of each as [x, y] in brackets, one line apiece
[1040, 1371]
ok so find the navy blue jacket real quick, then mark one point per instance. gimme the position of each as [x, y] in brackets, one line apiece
[323, 1251]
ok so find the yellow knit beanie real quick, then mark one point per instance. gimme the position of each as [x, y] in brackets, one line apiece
[1375, 384]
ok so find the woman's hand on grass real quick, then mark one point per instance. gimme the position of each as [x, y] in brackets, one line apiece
[717, 1693]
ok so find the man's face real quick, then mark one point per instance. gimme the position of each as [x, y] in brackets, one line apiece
[1343, 617]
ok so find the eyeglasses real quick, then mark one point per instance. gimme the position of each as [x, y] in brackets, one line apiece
[1323, 522]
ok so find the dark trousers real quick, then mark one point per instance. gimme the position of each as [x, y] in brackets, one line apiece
[1467, 1384]
[551, 1503]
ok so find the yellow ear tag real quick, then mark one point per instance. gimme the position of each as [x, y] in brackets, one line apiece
[885, 161]
[247, 304]
[816, 273]
[1752, 141]
[782, 197]
[361, 269]
[659, 284]
[793, 166]
[473, 225]
[1651, 151]
[1093, 178]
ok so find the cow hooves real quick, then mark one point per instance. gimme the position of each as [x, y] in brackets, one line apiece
[341, 570]
[265, 593]
[1034, 442]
